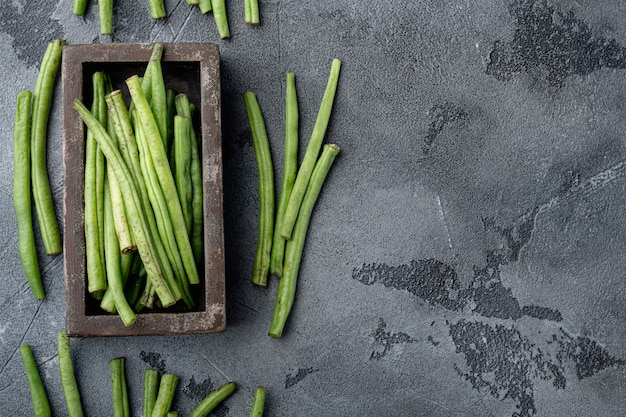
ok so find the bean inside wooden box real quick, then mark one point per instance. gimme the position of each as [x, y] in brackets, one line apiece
[190, 68]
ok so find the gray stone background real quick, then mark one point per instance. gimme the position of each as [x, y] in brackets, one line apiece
[466, 255]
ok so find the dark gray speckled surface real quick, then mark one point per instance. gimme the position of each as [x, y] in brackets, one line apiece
[466, 255]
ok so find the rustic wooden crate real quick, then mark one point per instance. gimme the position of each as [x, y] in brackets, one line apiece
[191, 68]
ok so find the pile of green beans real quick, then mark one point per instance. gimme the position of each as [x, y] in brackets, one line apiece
[30, 172]
[282, 233]
[144, 206]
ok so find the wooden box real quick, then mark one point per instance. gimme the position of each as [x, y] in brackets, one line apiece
[191, 68]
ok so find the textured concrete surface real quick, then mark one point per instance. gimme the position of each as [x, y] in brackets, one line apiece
[466, 255]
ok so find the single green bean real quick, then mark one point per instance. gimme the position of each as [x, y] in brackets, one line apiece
[251, 12]
[39, 399]
[158, 104]
[290, 170]
[150, 390]
[94, 181]
[192, 2]
[221, 19]
[105, 12]
[213, 400]
[293, 250]
[79, 7]
[312, 151]
[171, 112]
[205, 6]
[119, 391]
[164, 173]
[261, 144]
[136, 217]
[21, 194]
[42, 193]
[157, 9]
[259, 402]
[108, 302]
[165, 397]
[68, 379]
[113, 262]
[182, 162]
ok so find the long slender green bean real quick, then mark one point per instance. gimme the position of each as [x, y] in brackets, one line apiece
[164, 173]
[21, 194]
[312, 151]
[213, 400]
[165, 396]
[108, 302]
[135, 214]
[290, 170]
[261, 144]
[150, 390]
[158, 104]
[94, 242]
[119, 391]
[171, 112]
[157, 9]
[68, 379]
[221, 19]
[258, 403]
[113, 262]
[205, 6]
[79, 7]
[42, 194]
[182, 162]
[38, 396]
[105, 13]
[293, 250]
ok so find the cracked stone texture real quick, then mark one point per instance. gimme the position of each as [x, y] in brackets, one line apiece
[465, 257]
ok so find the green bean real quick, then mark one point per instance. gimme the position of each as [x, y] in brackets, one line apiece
[290, 169]
[171, 112]
[139, 228]
[79, 7]
[251, 12]
[261, 265]
[113, 262]
[293, 250]
[119, 390]
[205, 6]
[182, 162]
[193, 2]
[39, 399]
[150, 391]
[42, 194]
[166, 180]
[108, 302]
[94, 242]
[213, 400]
[157, 9]
[221, 20]
[158, 104]
[184, 108]
[259, 402]
[165, 396]
[105, 12]
[172, 414]
[21, 194]
[68, 379]
[312, 151]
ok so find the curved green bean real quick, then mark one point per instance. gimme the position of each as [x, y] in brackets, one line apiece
[290, 170]
[213, 400]
[260, 140]
[68, 379]
[312, 151]
[39, 399]
[42, 194]
[21, 195]
[293, 250]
